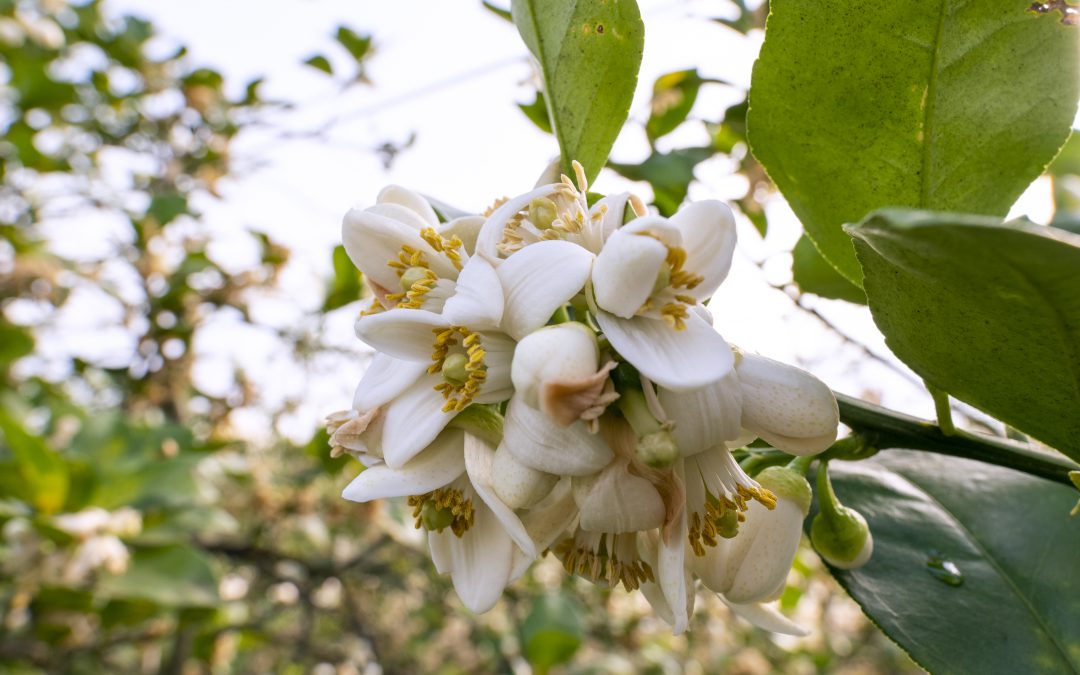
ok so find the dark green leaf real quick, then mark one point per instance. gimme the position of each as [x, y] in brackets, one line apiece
[357, 45]
[537, 112]
[498, 11]
[172, 576]
[669, 174]
[15, 343]
[945, 105]
[43, 471]
[988, 313]
[552, 632]
[673, 97]
[815, 275]
[165, 207]
[319, 449]
[589, 53]
[320, 62]
[974, 567]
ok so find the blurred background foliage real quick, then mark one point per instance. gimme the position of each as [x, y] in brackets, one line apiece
[141, 532]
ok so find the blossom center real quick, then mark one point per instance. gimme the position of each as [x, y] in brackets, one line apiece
[442, 508]
[458, 354]
[605, 558]
[669, 296]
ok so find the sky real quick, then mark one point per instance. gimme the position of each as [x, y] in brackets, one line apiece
[451, 73]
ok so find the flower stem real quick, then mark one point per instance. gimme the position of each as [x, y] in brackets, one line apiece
[881, 428]
[942, 410]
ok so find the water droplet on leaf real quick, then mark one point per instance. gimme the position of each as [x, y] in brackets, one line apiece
[943, 569]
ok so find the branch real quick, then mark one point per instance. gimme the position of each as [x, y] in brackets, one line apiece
[881, 428]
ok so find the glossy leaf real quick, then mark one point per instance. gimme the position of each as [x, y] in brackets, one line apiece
[815, 275]
[673, 96]
[172, 576]
[348, 283]
[552, 632]
[589, 52]
[974, 566]
[669, 174]
[945, 105]
[988, 313]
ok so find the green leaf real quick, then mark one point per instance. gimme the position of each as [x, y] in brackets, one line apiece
[974, 566]
[497, 11]
[348, 283]
[669, 174]
[673, 97]
[589, 53]
[359, 46]
[166, 207]
[934, 104]
[988, 313]
[320, 62]
[44, 473]
[171, 576]
[552, 632]
[537, 112]
[815, 275]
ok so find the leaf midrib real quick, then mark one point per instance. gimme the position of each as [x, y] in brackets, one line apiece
[974, 541]
[929, 108]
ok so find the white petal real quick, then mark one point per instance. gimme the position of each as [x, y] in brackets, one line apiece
[465, 228]
[771, 552]
[674, 359]
[439, 545]
[785, 402]
[413, 420]
[385, 378]
[395, 194]
[498, 357]
[517, 485]
[546, 523]
[478, 299]
[437, 466]
[371, 240]
[708, 237]
[539, 279]
[615, 209]
[480, 560]
[705, 417]
[617, 501]
[487, 244]
[671, 569]
[625, 272]
[479, 457]
[767, 617]
[539, 442]
[564, 352]
[401, 333]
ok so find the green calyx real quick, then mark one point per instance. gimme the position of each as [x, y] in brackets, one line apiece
[542, 212]
[839, 534]
[482, 421]
[786, 484]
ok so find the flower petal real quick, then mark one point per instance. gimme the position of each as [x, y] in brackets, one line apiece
[546, 522]
[477, 301]
[671, 573]
[438, 465]
[478, 461]
[787, 406]
[517, 485]
[440, 552]
[465, 228]
[675, 359]
[401, 333]
[705, 417]
[498, 357]
[413, 420]
[769, 556]
[395, 194]
[385, 378]
[708, 237]
[480, 560]
[625, 272]
[617, 501]
[372, 240]
[487, 244]
[766, 617]
[537, 441]
[539, 279]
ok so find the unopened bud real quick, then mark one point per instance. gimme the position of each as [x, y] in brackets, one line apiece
[542, 212]
[787, 484]
[839, 534]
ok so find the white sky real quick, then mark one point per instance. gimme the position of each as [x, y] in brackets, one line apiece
[451, 72]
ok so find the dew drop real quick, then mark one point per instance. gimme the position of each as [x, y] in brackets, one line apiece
[943, 569]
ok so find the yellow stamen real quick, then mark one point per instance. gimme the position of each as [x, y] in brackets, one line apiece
[603, 564]
[675, 315]
[442, 508]
[722, 516]
[459, 395]
[448, 247]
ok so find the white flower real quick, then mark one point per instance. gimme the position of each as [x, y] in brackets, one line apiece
[786, 406]
[410, 260]
[647, 281]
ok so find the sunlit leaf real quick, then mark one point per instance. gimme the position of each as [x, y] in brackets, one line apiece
[673, 96]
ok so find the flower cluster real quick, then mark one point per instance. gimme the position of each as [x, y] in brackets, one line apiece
[548, 380]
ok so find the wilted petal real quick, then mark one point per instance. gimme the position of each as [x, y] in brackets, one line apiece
[675, 359]
[539, 279]
[787, 406]
[401, 333]
[385, 378]
[413, 420]
[545, 523]
[437, 466]
[478, 299]
[539, 442]
[617, 501]
[625, 272]
[395, 194]
[706, 417]
[767, 617]
[478, 461]
[708, 237]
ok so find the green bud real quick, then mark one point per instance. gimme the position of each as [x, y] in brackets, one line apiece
[657, 449]
[663, 278]
[786, 484]
[839, 534]
[435, 519]
[453, 369]
[542, 212]
[411, 276]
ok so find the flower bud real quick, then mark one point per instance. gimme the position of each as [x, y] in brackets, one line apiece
[786, 406]
[555, 370]
[839, 534]
[517, 485]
